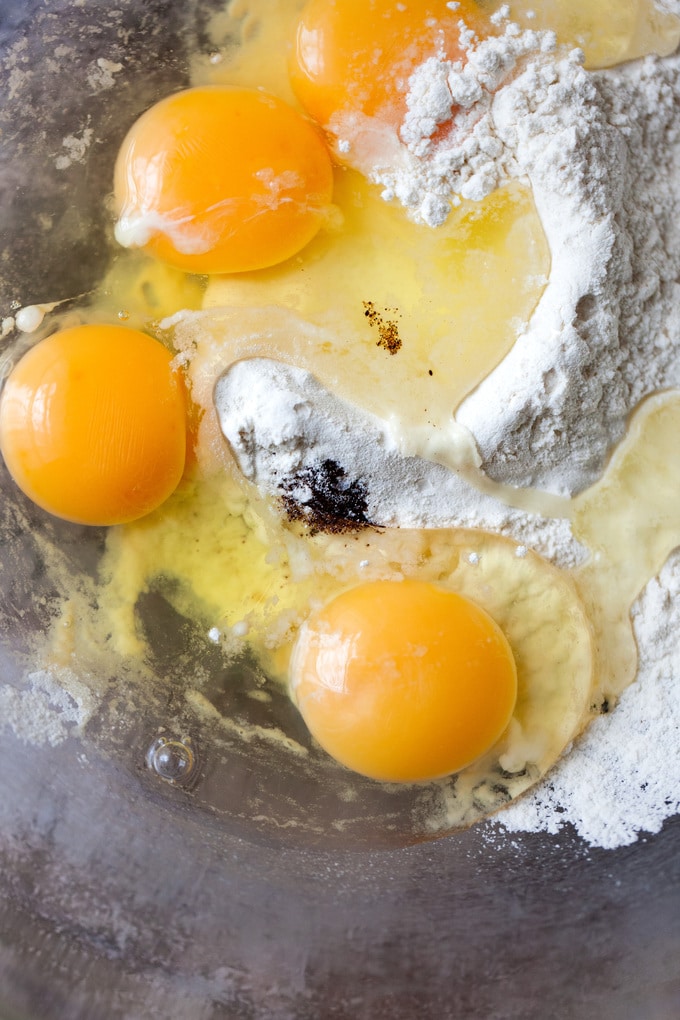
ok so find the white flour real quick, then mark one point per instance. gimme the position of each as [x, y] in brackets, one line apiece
[623, 777]
[51, 706]
[602, 154]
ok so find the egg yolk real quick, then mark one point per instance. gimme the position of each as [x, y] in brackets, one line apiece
[221, 180]
[356, 56]
[403, 681]
[93, 424]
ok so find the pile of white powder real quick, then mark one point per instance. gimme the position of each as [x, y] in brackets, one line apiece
[623, 775]
[602, 154]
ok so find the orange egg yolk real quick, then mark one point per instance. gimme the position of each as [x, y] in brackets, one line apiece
[221, 180]
[403, 681]
[357, 55]
[93, 424]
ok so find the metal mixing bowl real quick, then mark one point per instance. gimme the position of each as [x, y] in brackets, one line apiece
[125, 896]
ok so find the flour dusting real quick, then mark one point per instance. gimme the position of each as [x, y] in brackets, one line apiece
[52, 705]
[623, 776]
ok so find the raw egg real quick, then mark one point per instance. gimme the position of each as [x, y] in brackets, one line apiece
[356, 56]
[425, 653]
[403, 681]
[93, 424]
[465, 654]
[221, 180]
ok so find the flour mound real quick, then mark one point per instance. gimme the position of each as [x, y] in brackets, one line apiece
[623, 776]
[601, 153]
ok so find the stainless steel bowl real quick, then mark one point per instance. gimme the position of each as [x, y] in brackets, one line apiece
[127, 896]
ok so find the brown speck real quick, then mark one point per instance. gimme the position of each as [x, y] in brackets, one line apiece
[388, 328]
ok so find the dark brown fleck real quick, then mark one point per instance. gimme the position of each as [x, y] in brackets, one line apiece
[388, 328]
[334, 503]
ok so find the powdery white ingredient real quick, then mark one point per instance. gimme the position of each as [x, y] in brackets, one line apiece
[601, 152]
[623, 776]
[75, 149]
[607, 330]
[282, 423]
[52, 706]
[669, 6]
[283, 426]
[469, 160]
[100, 76]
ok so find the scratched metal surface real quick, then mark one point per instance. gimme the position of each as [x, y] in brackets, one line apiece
[122, 897]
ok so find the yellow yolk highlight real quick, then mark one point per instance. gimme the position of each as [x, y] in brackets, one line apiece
[357, 55]
[221, 180]
[402, 681]
[93, 424]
